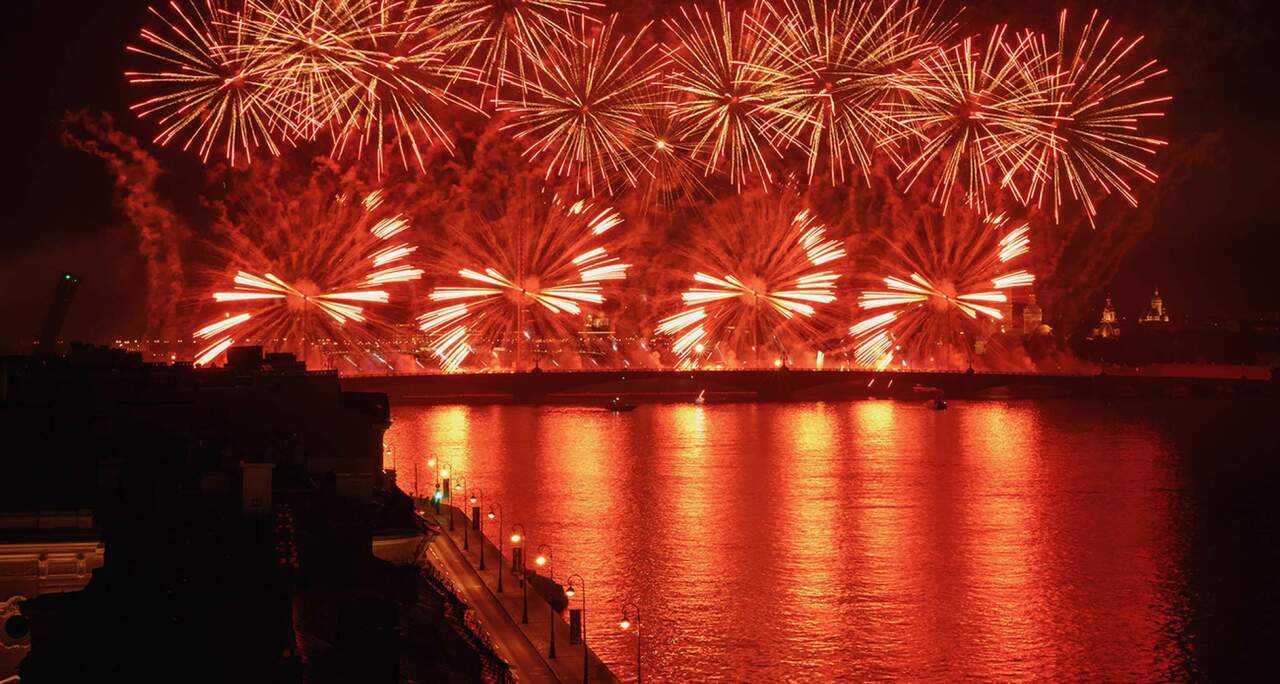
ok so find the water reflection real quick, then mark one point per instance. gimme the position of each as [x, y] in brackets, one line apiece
[868, 540]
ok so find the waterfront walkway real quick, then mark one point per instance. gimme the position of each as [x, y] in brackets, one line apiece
[525, 646]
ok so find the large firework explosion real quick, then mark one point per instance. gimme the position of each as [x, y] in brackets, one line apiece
[848, 57]
[732, 91]
[1092, 143]
[950, 283]
[582, 105]
[526, 280]
[762, 272]
[309, 280]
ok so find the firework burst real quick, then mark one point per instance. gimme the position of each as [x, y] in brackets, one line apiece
[584, 102]
[209, 89]
[490, 35]
[730, 91]
[306, 299]
[1092, 143]
[944, 283]
[973, 112]
[847, 56]
[762, 275]
[399, 75]
[528, 276]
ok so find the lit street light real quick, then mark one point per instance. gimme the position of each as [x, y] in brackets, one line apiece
[569, 591]
[476, 502]
[545, 558]
[461, 487]
[517, 541]
[499, 542]
[626, 624]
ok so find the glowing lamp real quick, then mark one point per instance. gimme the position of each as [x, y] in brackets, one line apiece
[625, 624]
[568, 591]
[473, 498]
[515, 538]
[540, 560]
[491, 515]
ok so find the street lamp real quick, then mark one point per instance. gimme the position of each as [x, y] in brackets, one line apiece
[444, 489]
[460, 486]
[568, 591]
[546, 559]
[499, 542]
[517, 538]
[629, 608]
[476, 502]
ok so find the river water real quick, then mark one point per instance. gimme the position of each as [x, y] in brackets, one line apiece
[1122, 541]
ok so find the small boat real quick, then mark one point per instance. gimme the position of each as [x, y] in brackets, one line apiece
[618, 405]
[702, 397]
[936, 404]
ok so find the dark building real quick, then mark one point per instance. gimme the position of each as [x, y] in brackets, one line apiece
[233, 512]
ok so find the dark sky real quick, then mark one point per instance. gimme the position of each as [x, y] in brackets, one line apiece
[1213, 251]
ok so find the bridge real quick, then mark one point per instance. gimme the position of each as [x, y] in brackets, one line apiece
[637, 386]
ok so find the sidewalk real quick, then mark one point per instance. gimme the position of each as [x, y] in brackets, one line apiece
[567, 665]
[526, 663]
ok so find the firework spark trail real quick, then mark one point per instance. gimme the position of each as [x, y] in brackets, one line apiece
[584, 102]
[845, 56]
[489, 35]
[732, 91]
[313, 295]
[964, 271]
[761, 277]
[546, 260]
[209, 87]
[1091, 139]
[399, 69]
[973, 111]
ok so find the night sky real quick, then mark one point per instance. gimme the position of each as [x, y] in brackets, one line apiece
[1212, 253]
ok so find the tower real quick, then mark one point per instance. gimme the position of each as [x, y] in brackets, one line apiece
[1107, 326]
[1156, 312]
[1032, 316]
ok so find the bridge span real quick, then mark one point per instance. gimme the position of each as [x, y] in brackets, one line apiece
[639, 386]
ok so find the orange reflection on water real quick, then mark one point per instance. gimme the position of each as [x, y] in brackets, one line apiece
[855, 541]
[1003, 613]
[808, 570]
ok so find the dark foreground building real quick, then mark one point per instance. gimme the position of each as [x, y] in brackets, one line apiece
[220, 522]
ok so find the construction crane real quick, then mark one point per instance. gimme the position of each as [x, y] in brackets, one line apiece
[63, 293]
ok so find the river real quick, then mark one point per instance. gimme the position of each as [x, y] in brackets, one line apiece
[1114, 541]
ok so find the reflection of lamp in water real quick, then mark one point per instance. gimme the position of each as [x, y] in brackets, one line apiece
[568, 591]
[499, 516]
[625, 623]
[517, 539]
[545, 559]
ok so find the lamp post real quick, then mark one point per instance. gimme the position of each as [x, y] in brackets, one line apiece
[499, 542]
[517, 541]
[460, 486]
[626, 623]
[568, 591]
[476, 502]
[546, 559]
[445, 490]
[435, 472]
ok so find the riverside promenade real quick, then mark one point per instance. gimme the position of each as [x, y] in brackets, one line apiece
[525, 646]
